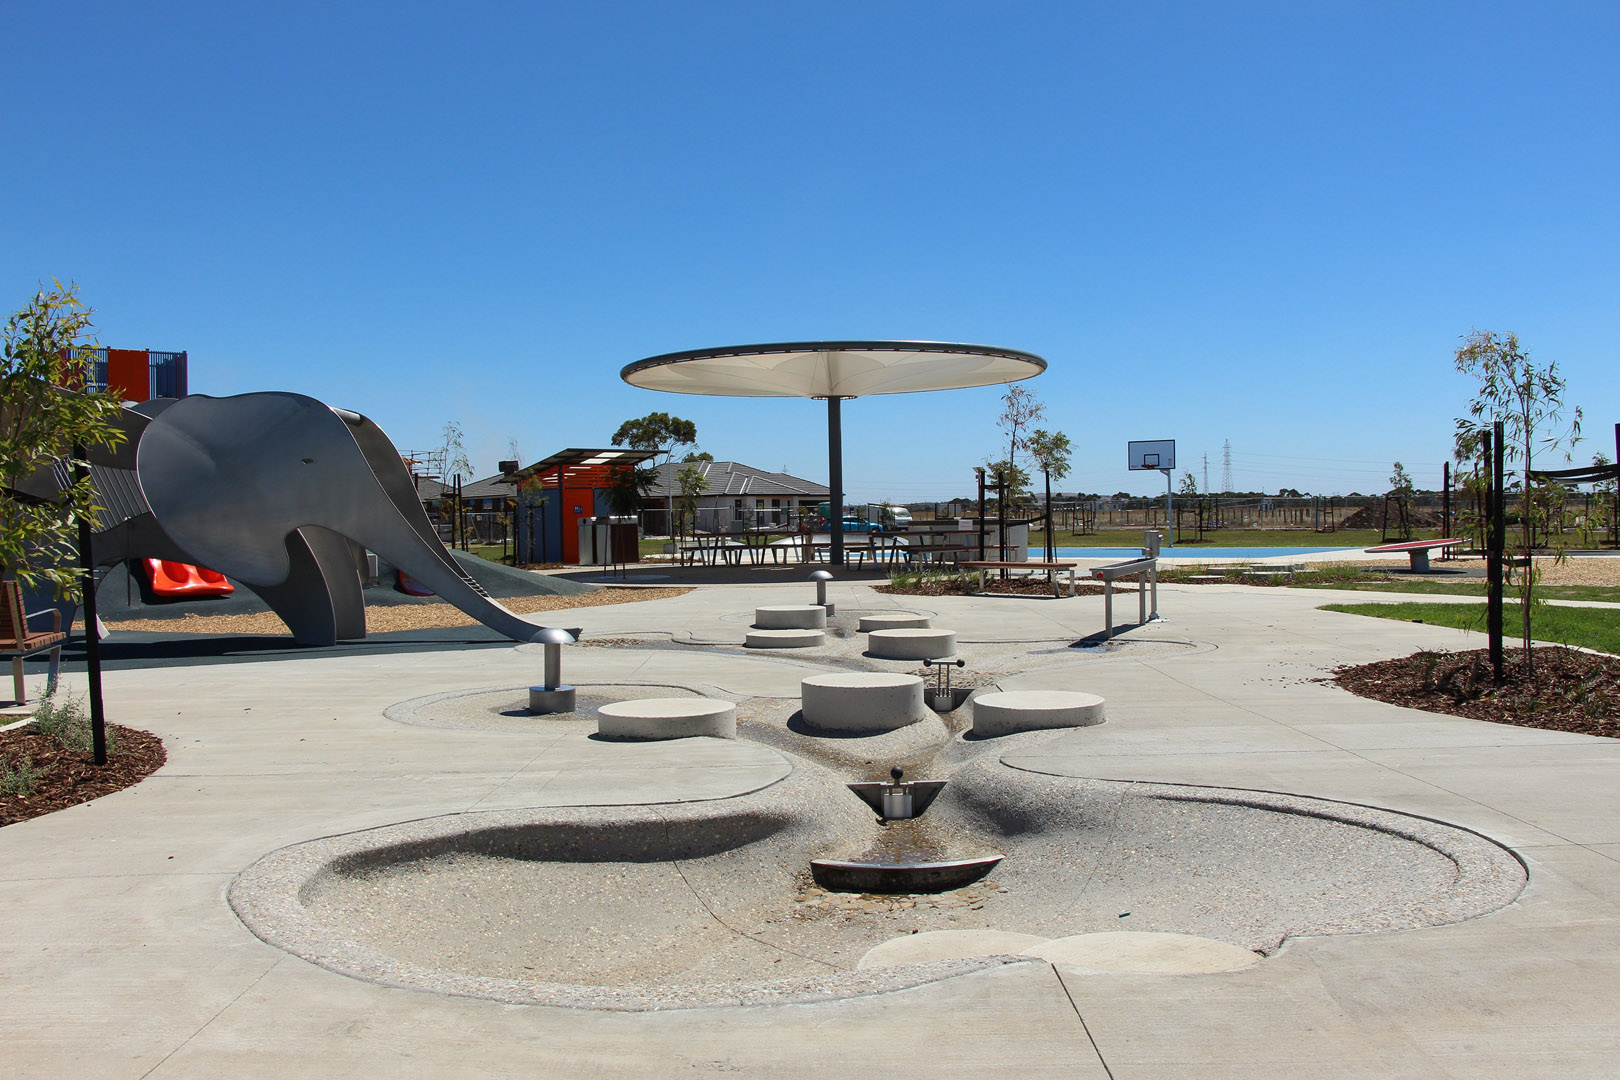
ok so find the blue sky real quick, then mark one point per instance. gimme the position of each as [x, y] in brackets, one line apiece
[1262, 223]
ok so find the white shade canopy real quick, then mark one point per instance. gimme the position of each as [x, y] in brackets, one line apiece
[821, 369]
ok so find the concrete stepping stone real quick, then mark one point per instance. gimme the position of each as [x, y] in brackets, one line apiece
[790, 617]
[1034, 710]
[862, 701]
[784, 639]
[894, 621]
[1144, 953]
[948, 945]
[911, 644]
[667, 718]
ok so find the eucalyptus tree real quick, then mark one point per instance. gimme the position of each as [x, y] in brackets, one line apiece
[49, 413]
[1051, 451]
[1529, 402]
[661, 432]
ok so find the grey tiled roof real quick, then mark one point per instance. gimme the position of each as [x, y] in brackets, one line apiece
[735, 478]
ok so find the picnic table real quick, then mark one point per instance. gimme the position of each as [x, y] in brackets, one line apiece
[1416, 550]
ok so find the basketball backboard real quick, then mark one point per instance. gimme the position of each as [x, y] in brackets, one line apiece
[1157, 454]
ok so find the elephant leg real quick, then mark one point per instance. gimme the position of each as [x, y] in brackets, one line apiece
[321, 600]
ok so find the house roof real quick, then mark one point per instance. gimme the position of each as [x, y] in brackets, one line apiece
[733, 478]
[498, 486]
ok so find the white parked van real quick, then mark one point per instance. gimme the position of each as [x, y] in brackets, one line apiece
[895, 517]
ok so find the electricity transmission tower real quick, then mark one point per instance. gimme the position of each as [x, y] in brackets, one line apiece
[1226, 467]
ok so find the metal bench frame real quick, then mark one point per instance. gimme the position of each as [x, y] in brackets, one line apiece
[17, 643]
[1136, 568]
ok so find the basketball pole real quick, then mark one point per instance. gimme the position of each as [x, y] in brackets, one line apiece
[1169, 508]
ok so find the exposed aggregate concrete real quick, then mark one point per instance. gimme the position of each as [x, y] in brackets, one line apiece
[699, 904]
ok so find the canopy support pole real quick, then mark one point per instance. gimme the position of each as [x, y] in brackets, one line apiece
[835, 479]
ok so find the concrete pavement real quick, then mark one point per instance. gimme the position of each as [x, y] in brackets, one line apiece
[120, 958]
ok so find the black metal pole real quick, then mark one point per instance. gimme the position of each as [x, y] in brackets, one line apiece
[980, 473]
[1001, 520]
[1445, 506]
[835, 480]
[1049, 549]
[92, 642]
[1495, 526]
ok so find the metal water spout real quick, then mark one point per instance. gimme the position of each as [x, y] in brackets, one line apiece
[942, 698]
[898, 800]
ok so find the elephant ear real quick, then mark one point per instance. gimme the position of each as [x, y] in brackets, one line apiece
[230, 478]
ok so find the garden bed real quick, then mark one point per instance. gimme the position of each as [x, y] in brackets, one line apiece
[40, 773]
[1570, 690]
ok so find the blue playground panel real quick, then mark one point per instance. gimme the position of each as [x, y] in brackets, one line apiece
[1192, 551]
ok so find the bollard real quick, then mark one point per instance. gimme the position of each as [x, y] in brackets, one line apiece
[821, 577]
[553, 697]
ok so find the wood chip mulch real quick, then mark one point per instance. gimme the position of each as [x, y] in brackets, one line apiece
[69, 777]
[383, 618]
[1569, 690]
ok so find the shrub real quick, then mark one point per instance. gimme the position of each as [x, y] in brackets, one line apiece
[65, 721]
[18, 777]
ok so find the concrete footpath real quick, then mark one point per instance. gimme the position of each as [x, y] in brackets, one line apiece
[119, 956]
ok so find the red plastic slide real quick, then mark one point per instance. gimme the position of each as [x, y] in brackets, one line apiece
[410, 586]
[177, 579]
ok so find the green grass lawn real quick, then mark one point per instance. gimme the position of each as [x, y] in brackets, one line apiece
[1590, 628]
[1607, 594]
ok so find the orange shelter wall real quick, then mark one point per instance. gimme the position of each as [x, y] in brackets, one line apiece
[577, 502]
[128, 374]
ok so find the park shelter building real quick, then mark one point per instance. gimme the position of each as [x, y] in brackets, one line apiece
[555, 494]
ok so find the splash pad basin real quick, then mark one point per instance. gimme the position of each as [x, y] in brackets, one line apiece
[710, 903]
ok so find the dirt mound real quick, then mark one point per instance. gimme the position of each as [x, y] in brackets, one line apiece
[1372, 517]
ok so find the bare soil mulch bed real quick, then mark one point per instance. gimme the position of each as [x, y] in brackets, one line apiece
[67, 777]
[1569, 691]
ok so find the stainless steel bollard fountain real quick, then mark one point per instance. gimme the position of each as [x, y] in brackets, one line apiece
[553, 697]
[821, 577]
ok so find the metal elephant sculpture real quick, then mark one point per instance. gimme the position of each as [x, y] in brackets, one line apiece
[285, 494]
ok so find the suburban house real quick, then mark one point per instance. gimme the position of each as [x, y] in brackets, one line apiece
[734, 492]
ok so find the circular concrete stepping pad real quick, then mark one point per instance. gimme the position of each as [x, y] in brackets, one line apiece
[667, 718]
[790, 617]
[1142, 953]
[1034, 710]
[784, 639]
[949, 945]
[911, 644]
[862, 701]
[894, 621]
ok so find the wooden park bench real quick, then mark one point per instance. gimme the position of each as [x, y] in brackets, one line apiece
[1051, 569]
[18, 643]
